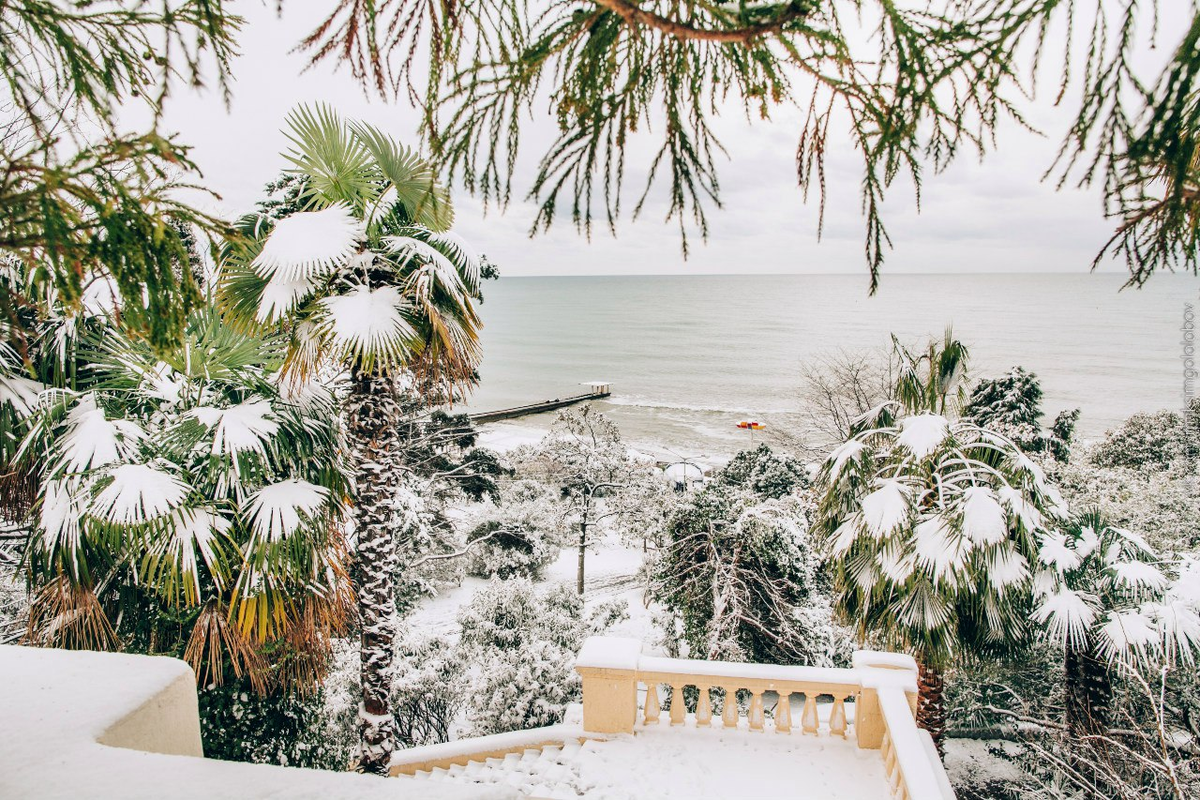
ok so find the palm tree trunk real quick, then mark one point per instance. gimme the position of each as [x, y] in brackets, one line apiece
[372, 415]
[1088, 690]
[931, 703]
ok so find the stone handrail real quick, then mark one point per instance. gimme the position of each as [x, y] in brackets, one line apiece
[881, 686]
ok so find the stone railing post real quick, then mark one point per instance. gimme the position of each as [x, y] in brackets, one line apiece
[868, 716]
[608, 666]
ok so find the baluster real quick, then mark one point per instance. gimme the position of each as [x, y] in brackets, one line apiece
[756, 710]
[783, 713]
[837, 718]
[703, 709]
[651, 704]
[729, 713]
[809, 721]
[678, 709]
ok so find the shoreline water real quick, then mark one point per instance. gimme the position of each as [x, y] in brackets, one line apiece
[689, 358]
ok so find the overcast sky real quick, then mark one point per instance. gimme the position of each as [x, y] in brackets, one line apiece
[992, 216]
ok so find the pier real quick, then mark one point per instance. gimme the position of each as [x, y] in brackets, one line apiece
[600, 390]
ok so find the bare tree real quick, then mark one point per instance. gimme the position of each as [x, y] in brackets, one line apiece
[840, 387]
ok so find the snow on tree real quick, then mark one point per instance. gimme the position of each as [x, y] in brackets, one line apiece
[598, 479]
[518, 536]
[766, 473]
[932, 525]
[1011, 405]
[1105, 597]
[187, 485]
[524, 643]
[738, 572]
[1152, 442]
[357, 268]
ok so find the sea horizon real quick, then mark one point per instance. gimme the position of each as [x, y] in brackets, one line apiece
[689, 358]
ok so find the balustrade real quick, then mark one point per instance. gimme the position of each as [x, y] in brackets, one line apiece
[880, 688]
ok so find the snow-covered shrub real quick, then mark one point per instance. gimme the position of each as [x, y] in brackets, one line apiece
[1150, 442]
[1012, 406]
[238, 724]
[1163, 506]
[429, 689]
[765, 472]
[526, 688]
[524, 643]
[517, 537]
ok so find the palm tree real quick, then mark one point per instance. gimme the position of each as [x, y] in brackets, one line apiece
[932, 526]
[367, 277]
[185, 501]
[1105, 599]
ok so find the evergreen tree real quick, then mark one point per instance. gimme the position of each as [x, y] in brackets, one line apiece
[910, 86]
[1012, 405]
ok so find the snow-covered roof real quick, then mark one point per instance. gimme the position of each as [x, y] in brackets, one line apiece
[84, 724]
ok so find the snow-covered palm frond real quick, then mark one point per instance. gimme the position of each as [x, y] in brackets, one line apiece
[457, 250]
[246, 426]
[429, 266]
[163, 383]
[280, 296]
[278, 510]
[940, 549]
[187, 539]
[62, 505]
[885, 509]
[845, 535]
[91, 440]
[1178, 624]
[1020, 507]
[983, 518]
[1068, 616]
[1139, 577]
[896, 563]
[846, 453]
[138, 493]
[1007, 567]
[367, 325]
[923, 433]
[1128, 634]
[16, 390]
[1056, 552]
[309, 245]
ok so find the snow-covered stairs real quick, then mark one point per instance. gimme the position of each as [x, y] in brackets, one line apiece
[546, 773]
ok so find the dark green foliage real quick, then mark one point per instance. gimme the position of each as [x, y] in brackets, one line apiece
[1012, 405]
[75, 210]
[734, 572]
[278, 728]
[912, 87]
[765, 473]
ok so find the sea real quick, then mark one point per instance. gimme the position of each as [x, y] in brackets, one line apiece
[689, 357]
